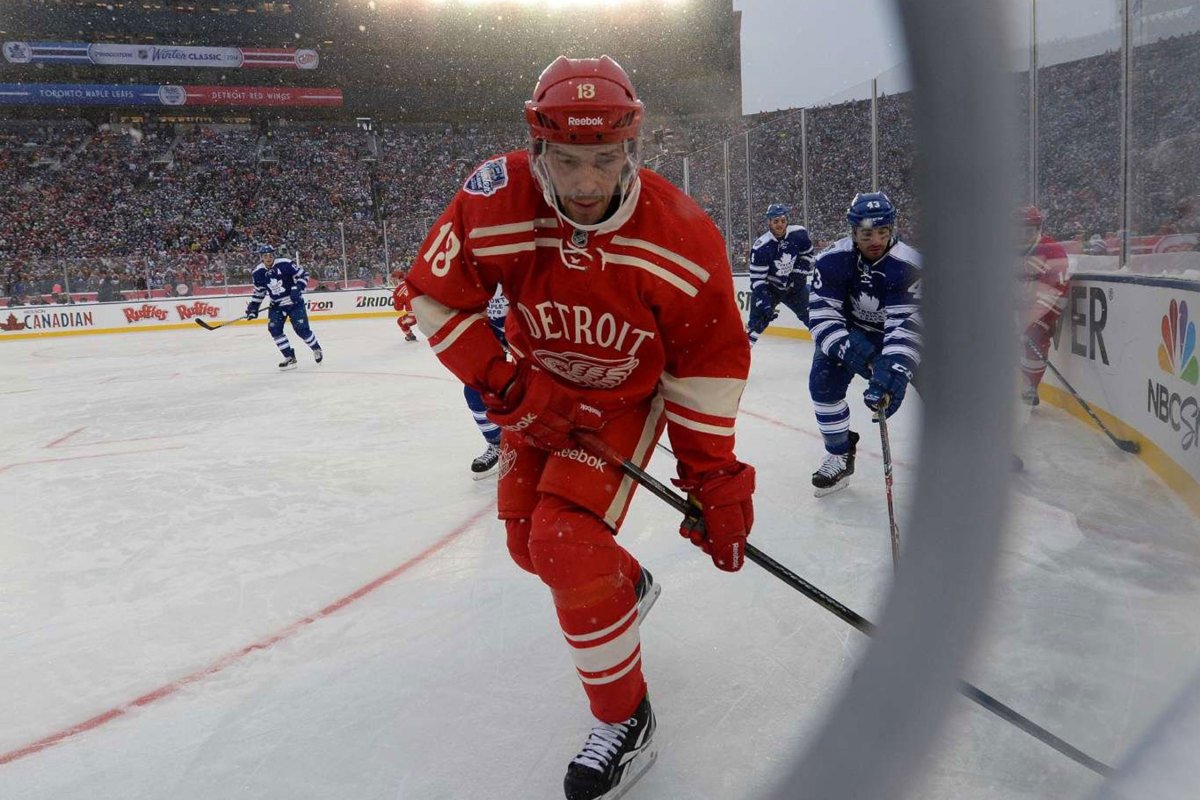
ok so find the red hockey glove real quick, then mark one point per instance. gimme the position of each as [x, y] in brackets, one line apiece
[536, 406]
[727, 512]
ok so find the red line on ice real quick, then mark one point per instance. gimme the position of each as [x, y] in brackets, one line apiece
[814, 434]
[63, 438]
[169, 689]
[96, 455]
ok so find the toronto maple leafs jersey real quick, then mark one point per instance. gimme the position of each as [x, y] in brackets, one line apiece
[278, 280]
[776, 260]
[881, 299]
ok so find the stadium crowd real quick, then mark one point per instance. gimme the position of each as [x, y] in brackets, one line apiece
[158, 210]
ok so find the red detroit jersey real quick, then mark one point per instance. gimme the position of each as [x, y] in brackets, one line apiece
[1045, 276]
[642, 304]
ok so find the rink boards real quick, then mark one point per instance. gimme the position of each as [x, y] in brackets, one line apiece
[1126, 343]
[179, 313]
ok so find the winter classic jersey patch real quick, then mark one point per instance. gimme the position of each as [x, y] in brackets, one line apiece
[491, 177]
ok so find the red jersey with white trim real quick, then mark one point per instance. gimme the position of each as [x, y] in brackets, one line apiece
[1045, 281]
[643, 304]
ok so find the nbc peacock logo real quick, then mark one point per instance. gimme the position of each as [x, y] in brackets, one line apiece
[1177, 352]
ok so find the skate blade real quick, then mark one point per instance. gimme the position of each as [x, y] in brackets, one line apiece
[478, 476]
[837, 487]
[644, 761]
[288, 368]
[648, 601]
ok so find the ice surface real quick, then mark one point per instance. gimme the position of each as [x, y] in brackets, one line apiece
[181, 523]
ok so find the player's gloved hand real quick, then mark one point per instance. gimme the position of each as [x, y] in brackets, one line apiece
[726, 511]
[889, 378]
[252, 311]
[296, 295]
[856, 352]
[544, 411]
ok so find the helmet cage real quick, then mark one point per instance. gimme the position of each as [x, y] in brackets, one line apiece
[628, 186]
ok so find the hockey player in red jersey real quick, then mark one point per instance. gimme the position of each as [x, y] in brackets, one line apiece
[622, 323]
[1044, 297]
[403, 303]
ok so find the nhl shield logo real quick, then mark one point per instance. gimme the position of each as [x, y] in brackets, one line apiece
[490, 178]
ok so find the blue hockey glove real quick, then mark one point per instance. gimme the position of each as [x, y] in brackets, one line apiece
[252, 311]
[296, 295]
[889, 378]
[856, 352]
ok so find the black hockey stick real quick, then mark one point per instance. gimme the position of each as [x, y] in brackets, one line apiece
[973, 693]
[209, 327]
[1128, 445]
[885, 444]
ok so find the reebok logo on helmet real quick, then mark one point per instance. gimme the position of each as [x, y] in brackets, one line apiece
[585, 120]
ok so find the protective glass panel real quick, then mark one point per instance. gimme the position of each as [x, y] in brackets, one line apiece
[1164, 146]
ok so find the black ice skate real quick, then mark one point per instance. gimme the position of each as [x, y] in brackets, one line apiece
[647, 591]
[318, 356]
[614, 756]
[410, 337]
[835, 470]
[1029, 396]
[289, 362]
[486, 463]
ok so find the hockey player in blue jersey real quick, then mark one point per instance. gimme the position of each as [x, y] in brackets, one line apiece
[780, 262]
[865, 319]
[488, 461]
[284, 283]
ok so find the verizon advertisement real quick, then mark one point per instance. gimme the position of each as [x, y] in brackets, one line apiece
[141, 55]
[1128, 345]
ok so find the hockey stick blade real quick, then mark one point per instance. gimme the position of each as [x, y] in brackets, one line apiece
[602, 449]
[1127, 445]
[209, 327]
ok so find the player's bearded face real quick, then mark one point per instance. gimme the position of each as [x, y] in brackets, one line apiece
[778, 225]
[586, 178]
[872, 242]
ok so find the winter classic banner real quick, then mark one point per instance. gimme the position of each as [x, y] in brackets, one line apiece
[141, 55]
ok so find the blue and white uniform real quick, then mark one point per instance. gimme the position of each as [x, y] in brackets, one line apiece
[284, 283]
[779, 270]
[854, 299]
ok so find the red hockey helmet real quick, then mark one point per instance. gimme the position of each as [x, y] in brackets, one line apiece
[1028, 215]
[584, 101]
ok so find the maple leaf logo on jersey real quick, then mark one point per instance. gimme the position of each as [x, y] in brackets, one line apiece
[866, 308]
[275, 286]
[785, 264]
[581, 370]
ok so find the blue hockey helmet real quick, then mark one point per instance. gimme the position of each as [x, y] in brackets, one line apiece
[871, 210]
[266, 248]
[776, 210]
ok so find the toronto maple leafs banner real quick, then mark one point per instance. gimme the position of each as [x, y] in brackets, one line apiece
[105, 54]
[68, 94]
